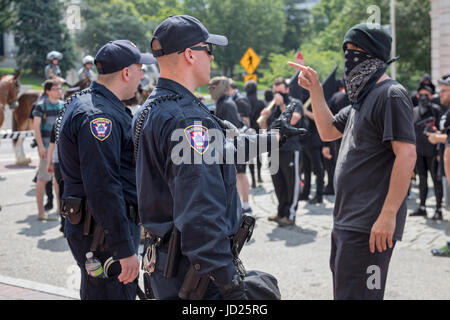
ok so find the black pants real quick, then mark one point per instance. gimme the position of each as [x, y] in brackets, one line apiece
[252, 169]
[312, 161]
[60, 182]
[330, 165]
[287, 184]
[358, 274]
[423, 166]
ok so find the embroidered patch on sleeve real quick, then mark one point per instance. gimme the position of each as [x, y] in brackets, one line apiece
[198, 138]
[101, 128]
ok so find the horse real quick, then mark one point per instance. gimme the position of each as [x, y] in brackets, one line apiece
[9, 90]
[23, 122]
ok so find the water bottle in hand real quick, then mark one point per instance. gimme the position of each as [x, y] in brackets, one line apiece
[94, 267]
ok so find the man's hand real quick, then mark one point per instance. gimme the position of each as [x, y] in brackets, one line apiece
[326, 153]
[436, 137]
[278, 99]
[382, 232]
[307, 78]
[42, 152]
[130, 269]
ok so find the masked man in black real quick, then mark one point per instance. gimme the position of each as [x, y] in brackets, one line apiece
[426, 117]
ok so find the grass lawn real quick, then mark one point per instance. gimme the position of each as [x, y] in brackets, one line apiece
[26, 78]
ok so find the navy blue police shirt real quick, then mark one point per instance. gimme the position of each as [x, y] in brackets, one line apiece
[96, 157]
[200, 198]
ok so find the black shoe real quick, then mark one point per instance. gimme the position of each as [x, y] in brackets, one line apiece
[328, 192]
[253, 185]
[437, 215]
[48, 206]
[260, 180]
[315, 200]
[419, 213]
[303, 197]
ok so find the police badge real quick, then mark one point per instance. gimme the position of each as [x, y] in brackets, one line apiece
[198, 138]
[101, 128]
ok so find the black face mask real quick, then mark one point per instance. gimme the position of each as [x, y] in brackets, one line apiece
[362, 71]
[285, 97]
[424, 103]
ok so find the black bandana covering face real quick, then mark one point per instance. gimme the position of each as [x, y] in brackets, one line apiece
[362, 71]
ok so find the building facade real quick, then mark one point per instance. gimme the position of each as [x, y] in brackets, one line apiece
[440, 38]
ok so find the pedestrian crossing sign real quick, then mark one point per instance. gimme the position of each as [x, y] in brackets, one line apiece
[250, 61]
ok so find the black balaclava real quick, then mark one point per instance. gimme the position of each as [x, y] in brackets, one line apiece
[363, 69]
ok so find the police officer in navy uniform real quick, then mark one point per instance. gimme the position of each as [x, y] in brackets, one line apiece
[199, 198]
[97, 164]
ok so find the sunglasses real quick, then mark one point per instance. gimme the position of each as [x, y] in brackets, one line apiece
[206, 47]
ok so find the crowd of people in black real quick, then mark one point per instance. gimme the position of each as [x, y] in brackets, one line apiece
[308, 156]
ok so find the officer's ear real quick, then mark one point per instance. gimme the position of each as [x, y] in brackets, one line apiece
[126, 74]
[188, 56]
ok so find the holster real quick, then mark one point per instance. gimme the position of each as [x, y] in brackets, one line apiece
[194, 286]
[73, 209]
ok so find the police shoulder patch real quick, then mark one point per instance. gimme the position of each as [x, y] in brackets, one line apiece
[198, 138]
[101, 128]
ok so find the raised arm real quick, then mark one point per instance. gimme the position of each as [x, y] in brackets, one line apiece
[323, 117]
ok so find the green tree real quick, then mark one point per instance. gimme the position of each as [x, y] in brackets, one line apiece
[332, 19]
[7, 15]
[104, 21]
[259, 24]
[297, 24]
[38, 31]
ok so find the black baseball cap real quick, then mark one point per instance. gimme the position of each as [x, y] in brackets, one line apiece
[179, 32]
[119, 54]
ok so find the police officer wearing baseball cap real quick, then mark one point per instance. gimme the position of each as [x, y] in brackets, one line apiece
[96, 158]
[195, 198]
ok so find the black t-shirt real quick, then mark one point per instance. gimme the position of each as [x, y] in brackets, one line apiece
[338, 101]
[366, 158]
[423, 121]
[226, 110]
[296, 91]
[243, 105]
[293, 143]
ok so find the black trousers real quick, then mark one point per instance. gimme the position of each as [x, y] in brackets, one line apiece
[287, 184]
[423, 166]
[252, 169]
[330, 165]
[358, 274]
[312, 161]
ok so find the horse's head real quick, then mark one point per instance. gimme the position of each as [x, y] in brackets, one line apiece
[12, 89]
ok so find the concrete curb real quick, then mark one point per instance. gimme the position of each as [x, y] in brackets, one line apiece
[40, 287]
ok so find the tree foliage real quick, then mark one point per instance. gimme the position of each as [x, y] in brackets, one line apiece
[38, 31]
[332, 18]
[103, 21]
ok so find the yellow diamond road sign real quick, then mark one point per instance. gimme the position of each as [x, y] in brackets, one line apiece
[250, 61]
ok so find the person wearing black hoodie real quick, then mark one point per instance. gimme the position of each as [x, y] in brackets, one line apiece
[257, 106]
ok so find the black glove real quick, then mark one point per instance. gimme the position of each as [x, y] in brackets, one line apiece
[230, 130]
[234, 290]
[282, 124]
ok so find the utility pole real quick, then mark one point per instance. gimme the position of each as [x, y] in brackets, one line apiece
[393, 51]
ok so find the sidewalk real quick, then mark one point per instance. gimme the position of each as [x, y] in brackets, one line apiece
[18, 289]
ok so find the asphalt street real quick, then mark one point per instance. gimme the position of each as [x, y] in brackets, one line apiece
[298, 256]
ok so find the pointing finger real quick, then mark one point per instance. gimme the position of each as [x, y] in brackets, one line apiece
[297, 66]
